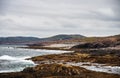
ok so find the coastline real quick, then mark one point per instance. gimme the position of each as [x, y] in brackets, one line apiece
[60, 61]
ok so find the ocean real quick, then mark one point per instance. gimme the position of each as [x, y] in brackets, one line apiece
[12, 58]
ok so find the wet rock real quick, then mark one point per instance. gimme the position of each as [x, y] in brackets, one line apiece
[58, 69]
[28, 70]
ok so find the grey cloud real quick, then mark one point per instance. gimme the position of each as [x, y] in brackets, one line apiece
[63, 16]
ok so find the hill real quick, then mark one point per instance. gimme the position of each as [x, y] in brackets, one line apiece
[63, 37]
[17, 40]
[32, 40]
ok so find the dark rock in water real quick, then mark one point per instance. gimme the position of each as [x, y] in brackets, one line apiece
[57, 71]
[28, 70]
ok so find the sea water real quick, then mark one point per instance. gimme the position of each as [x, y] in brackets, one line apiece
[12, 58]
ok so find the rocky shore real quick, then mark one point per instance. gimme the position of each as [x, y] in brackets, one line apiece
[87, 60]
[58, 65]
[108, 57]
[57, 71]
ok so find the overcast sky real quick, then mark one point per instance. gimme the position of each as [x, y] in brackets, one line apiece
[43, 18]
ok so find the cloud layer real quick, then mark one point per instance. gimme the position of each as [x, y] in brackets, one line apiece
[43, 18]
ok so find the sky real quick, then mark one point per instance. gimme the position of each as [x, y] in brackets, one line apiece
[44, 18]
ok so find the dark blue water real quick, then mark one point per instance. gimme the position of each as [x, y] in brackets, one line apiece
[12, 59]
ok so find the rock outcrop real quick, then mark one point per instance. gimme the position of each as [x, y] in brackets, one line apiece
[57, 71]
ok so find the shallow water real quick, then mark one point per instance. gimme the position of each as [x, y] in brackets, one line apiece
[12, 59]
[97, 67]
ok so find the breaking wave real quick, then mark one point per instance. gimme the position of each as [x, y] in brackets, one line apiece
[13, 64]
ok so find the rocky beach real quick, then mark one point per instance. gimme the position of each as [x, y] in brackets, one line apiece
[87, 60]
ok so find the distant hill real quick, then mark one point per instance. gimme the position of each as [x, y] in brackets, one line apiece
[17, 40]
[30, 40]
[64, 37]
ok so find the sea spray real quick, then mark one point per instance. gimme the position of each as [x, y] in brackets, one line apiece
[12, 59]
[13, 64]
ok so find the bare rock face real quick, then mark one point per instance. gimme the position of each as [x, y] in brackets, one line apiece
[98, 44]
[56, 70]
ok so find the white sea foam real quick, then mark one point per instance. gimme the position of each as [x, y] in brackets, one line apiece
[97, 67]
[12, 59]
[14, 64]
[7, 57]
